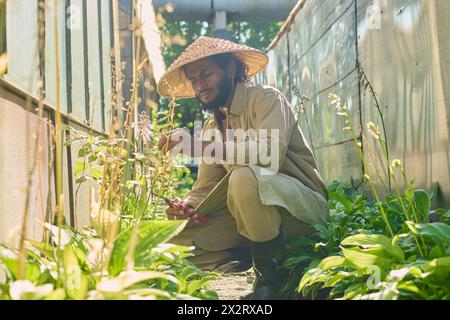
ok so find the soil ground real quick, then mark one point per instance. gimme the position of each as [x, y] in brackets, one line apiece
[231, 286]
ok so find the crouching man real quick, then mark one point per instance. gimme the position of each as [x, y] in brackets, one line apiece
[261, 187]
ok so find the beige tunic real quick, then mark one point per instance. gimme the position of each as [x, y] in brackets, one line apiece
[297, 185]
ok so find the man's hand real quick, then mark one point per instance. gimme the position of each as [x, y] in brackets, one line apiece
[171, 139]
[175, 214]
[167, 141]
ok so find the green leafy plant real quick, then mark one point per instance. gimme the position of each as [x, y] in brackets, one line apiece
[124, 252]
[93, 269]
[354, 257]
[372, 249]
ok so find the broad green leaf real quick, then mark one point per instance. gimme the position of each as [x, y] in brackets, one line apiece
[10, 259]
[320, 228]
[80, 167]
[409, 286]
[331, 262]
[129, 278]
[195, 285]
[47, 277]
[57, 294]
[64, 235]
[377, 245]
[83, 152]
[311, 277]
[149, 235]
[172, 248]
[302, 241]
[96, 173]
[360, 259]
[438, 232]
[332, 281]
[76, 283]
[439, 267]
[409, 193]
[189, 272]
[435, 192]
[340, 196]
[355, 291]
[45, 249]
[422, 203]
[445, 216]
[436, 252]
[294, 261]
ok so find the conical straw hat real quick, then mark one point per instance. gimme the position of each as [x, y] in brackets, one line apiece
[174, 84]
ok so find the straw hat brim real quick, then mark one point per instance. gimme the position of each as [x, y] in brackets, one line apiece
[174, 84]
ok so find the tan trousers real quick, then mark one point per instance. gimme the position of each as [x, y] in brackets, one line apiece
[244, 217]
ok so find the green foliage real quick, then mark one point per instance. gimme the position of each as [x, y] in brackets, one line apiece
[439, 233]
[124, 253]
[387, 249]
[76, 267]
[149, 235]
[128, 174]
[354, 257]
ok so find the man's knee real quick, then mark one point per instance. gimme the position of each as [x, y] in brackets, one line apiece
[242, 185]
[254, 220]
[242, 192]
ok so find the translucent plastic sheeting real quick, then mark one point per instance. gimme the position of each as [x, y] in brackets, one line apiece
[53, 54]
[18, 152]
[106, 25]
[402, 46]
[326, 127]
[340, 160]
[78, 90]
[313, 22]
[152, 38]
[406, 59]
[331, 59]
[22, 44]
[269, 75]
[282, 69]
[95, 94]
[127, 50]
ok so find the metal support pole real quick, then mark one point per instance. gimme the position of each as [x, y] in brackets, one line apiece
[220, 26]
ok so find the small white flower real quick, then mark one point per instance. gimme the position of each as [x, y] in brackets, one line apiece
[396, 163]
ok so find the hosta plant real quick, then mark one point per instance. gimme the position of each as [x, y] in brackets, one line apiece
[138, 264]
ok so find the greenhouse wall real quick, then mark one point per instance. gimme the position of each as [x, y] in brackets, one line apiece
[402, 47]
[85, 32]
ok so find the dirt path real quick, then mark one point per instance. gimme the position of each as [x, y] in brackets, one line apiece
[231, 286]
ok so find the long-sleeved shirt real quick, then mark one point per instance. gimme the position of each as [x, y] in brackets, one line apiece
[262, 107]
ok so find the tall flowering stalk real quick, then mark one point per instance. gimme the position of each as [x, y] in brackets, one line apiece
[375, 131]
[342, 111]
[367, 86]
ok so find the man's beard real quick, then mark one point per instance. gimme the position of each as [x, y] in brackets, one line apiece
[224, 89]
